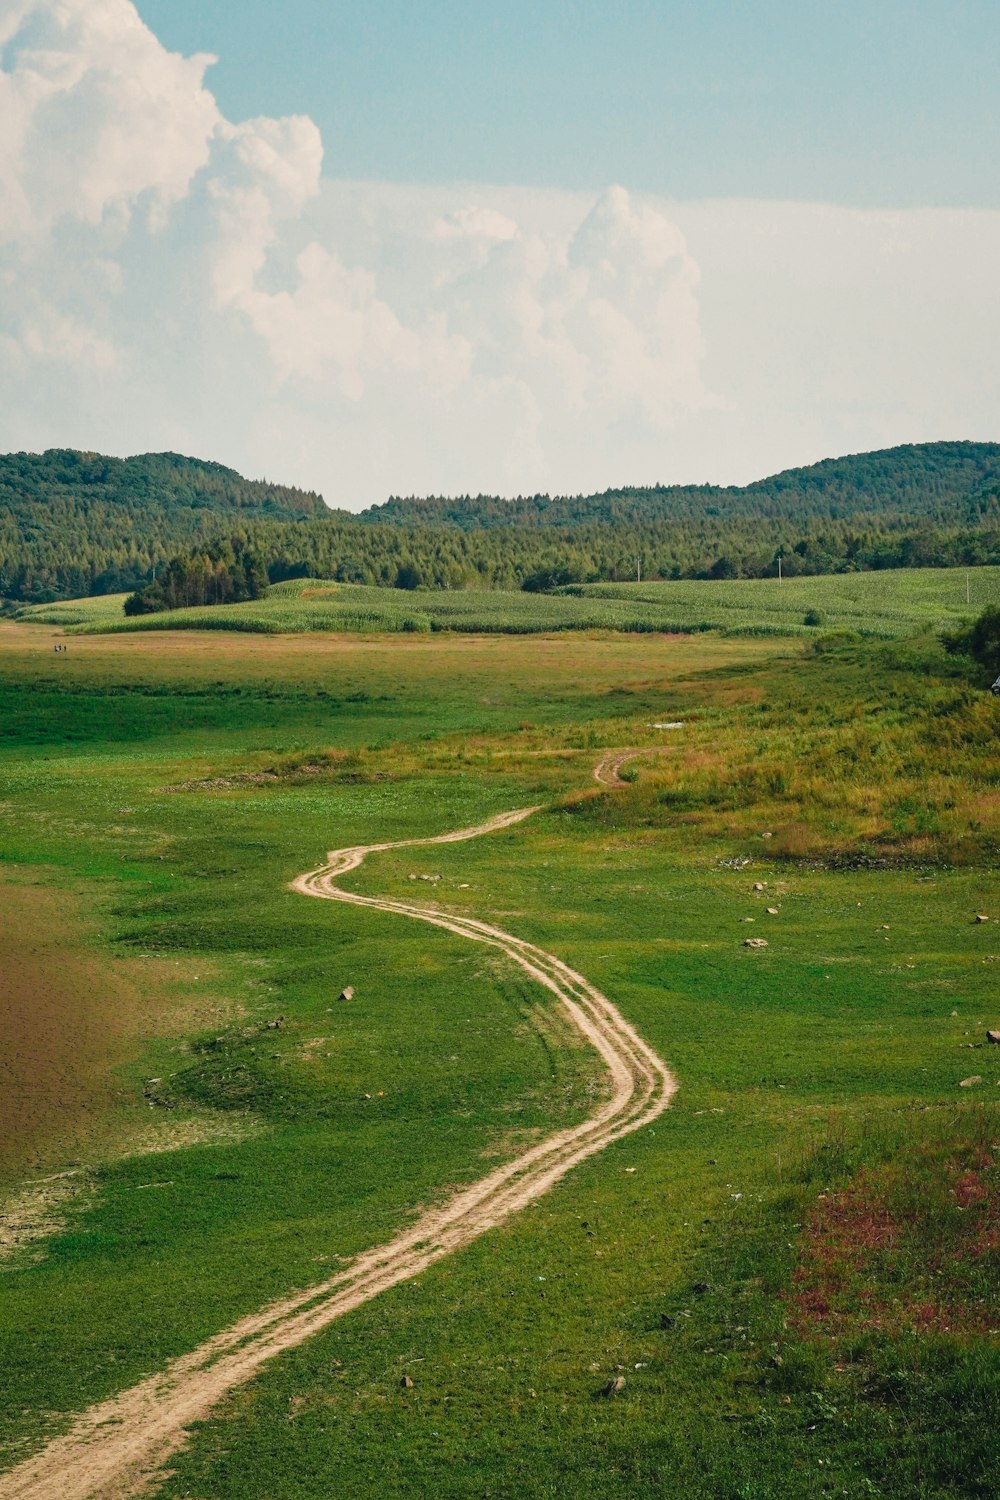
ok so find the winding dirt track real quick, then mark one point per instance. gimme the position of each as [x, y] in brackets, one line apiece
[608, 770]
[115, 1449]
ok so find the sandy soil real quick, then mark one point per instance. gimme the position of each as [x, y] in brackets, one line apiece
[115, 1449]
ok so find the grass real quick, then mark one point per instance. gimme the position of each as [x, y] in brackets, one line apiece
[179, 781]
[886, 604]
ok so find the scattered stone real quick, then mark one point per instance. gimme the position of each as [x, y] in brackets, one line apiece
[994, 1037]
[755, 942]
[276, 1024]
[347, 993]
[614, 1387]
[406, 1383]
[884, 927]
[776, 1361]
[767, 835]
[980, 917]
[967, 1083]
[759, 885]
[772, 911]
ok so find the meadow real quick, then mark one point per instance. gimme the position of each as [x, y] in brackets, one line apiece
[880, 604]
[794, 1269]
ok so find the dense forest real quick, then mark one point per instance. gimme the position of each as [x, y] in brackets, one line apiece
[73, 524]
[930, 483]
[78, 523]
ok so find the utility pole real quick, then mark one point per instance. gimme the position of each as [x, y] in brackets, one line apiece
[779, 567]
[638, 568]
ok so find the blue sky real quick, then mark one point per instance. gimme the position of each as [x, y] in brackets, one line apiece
[884, 103]
[430, 247]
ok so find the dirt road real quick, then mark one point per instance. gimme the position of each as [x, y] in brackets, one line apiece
[608, 770]
[114, 1450]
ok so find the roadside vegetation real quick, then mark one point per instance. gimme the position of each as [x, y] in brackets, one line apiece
[794, 1271]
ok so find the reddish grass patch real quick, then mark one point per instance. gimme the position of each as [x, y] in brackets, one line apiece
[909, 1246]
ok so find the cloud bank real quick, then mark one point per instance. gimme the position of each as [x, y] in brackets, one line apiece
[153, 251]
[173, 279]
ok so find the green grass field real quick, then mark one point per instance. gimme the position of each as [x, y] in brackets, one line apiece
[885, 604]
[794, 1268]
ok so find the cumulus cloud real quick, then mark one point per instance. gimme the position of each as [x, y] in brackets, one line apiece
[170, 278]
[136, 221]
[98, 118]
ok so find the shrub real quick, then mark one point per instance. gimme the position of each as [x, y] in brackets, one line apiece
[980, 640]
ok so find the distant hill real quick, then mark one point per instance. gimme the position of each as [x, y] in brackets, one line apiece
[79, 523]
[76, 524]
[949, 484]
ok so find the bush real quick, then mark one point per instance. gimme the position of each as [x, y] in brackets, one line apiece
[408, 577]
[980, 640]
[814, 617]
[833, 640]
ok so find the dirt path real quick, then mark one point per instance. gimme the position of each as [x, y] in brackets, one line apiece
[115, 1449]
[608, 768]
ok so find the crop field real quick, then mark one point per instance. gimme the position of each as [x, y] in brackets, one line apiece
[884, 604]
[783, 1287]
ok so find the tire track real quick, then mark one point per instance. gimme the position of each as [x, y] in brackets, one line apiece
[608, 770]
[114, 1450]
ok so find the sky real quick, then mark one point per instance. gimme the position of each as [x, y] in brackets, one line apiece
[395, 249]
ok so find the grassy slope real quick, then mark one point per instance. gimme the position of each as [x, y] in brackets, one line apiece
[842, 1020]
[882, 604]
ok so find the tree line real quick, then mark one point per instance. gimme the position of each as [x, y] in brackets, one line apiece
[929, 483]
[530, 559]
[227, 573]
[75, 524]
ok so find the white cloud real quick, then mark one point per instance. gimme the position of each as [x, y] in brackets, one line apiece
[170, 278]
[136, 219]
[96, 115]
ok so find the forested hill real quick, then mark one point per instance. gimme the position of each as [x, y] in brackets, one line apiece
[949, 484]
[74, 524]
[78, 523]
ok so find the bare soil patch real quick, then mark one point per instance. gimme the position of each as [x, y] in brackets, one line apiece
[70, 1016]
[66, 1015]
